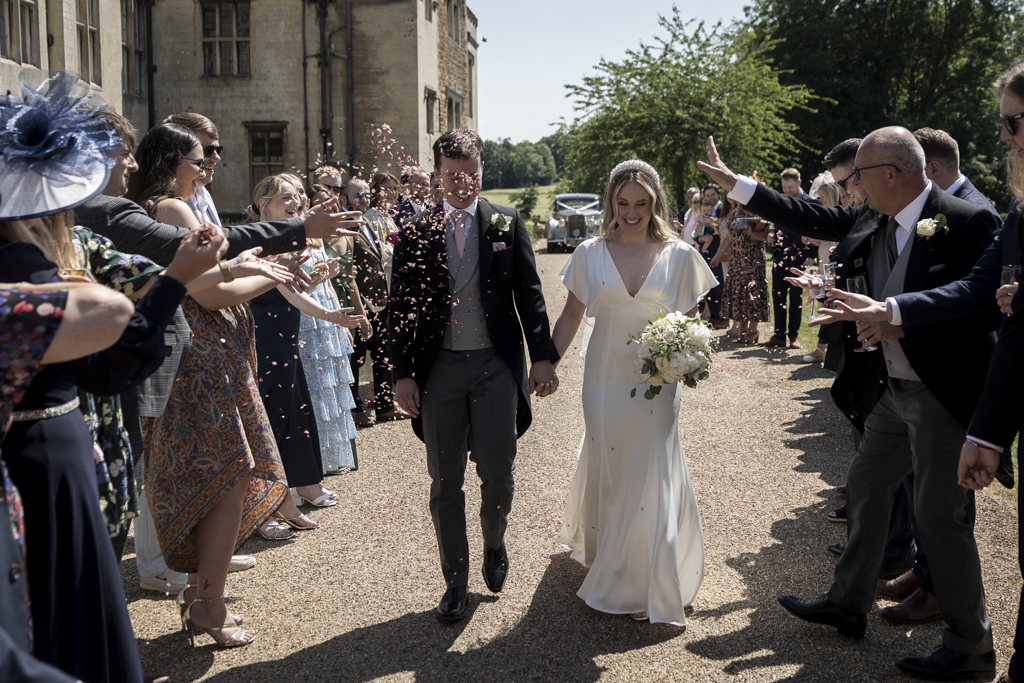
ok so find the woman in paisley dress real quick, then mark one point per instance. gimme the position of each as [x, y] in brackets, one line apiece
[745, 294]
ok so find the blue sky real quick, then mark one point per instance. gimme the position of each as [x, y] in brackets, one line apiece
[535, 47]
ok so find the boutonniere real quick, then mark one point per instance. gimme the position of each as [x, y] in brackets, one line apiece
[927, 227]
[501, 223]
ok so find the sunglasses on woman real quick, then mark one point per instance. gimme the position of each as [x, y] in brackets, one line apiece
[1010, 122]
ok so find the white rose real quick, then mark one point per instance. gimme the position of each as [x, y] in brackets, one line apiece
[656, 381]
[926, 227]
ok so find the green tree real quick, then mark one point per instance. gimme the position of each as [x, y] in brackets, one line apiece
[662, 101]
[913, 63]
[498, 164]
[525, 200]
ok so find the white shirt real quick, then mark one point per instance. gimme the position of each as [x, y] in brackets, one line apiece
[689, 225]
[202, 202]
[467, 224]
[957, 184]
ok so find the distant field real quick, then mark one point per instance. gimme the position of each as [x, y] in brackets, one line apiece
[543, 209]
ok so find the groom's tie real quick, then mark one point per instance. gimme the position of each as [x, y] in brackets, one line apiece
[459, 230]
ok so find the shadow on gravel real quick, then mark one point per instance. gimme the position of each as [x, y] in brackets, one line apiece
[558, 639]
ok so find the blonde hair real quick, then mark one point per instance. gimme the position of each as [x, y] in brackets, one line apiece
[659, 228]
[26, 232]
[265, 190]
[829, 194]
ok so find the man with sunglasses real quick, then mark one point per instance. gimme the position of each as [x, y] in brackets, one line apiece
[913, 410]
[204, 129]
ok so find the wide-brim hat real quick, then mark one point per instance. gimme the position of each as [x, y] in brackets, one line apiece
[55, 148]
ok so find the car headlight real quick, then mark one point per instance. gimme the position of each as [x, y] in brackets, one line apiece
[592, 221]
[561, 222]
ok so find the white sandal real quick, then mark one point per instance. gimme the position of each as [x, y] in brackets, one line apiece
[325, 500]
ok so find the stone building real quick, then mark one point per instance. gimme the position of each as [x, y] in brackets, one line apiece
[284, 88]
[287, 88]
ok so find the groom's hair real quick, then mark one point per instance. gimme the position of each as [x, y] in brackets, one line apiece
[461, 143]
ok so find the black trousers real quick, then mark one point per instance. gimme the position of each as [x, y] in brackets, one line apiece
[383, 375]
[781, 291]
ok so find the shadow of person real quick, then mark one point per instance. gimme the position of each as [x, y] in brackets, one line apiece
[558, 638]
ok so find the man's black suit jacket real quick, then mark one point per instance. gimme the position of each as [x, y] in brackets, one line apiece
[421, 299]
[950, 359]
[969, 193]
[1001, 408]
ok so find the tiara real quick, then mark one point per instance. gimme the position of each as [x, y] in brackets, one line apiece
[636, 165]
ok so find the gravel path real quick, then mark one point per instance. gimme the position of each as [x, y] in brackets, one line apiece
[354, 601]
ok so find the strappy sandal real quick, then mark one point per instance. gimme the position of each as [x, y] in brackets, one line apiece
[182, 607]
[325, 500]
[275, 532]
[294, 522]
[236, 639]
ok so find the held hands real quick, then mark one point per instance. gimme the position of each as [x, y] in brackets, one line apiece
[977, 466]
[321, 223]
[716, 168]
[407, 396]
[543, 379]
[342, 317]
[194, 257]
[1004, 297]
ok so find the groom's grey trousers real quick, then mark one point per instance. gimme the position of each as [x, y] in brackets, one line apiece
[469, 403]
[909, 430]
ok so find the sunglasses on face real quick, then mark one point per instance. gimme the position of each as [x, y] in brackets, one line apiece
[362, 195]
[198, 163]
[1010, 122]
[210, 150]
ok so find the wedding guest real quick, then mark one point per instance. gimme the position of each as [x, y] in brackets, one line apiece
[417, 189]
[787, 252]
[372, 283]
[208, 136]
[913, 415]
[942, 166]
[745, 295]
[330, 177]
[208, 489]
[383, 195]
[825, 190]
[690, 221]
[80, 621]
[711, 206]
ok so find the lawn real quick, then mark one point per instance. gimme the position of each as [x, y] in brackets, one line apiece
[544, 202]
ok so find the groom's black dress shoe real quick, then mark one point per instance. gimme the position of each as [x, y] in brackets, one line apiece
[821, 611]
[453, 604]
[495, 568]
[949, 665]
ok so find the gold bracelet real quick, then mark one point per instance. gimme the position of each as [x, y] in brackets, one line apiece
[225, 272]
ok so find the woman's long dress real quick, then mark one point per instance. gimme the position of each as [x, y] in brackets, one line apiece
[80, 620]
[285, 390]
[214, 435]
[745, 294]
[631, 516]
[324, 349]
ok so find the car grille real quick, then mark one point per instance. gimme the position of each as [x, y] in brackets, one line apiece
[576, 227]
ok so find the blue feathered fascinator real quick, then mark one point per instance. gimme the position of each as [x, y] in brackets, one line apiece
[55, 148]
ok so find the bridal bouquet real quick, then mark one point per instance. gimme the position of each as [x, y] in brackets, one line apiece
[673, 348]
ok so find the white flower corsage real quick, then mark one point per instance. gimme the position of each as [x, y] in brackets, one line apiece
[501, 223]
[927, 227]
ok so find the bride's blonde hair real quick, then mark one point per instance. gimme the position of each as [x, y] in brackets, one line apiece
[642, 173]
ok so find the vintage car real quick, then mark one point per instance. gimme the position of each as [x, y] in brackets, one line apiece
[577, 218]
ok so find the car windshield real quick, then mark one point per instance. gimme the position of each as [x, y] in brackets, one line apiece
[578, 203]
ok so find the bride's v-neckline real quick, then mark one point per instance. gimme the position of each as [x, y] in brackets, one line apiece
[647, 277]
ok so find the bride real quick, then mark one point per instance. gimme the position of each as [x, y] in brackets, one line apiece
[631, 516]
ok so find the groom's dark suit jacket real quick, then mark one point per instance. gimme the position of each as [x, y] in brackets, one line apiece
[421, 299]
[950, 358]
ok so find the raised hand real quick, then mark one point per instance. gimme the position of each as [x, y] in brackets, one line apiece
[977, 466]
[198, 252]
[716, 168]
[247, 264]
[804, 281]
[292, 260]
[321, 223]
[342, 317]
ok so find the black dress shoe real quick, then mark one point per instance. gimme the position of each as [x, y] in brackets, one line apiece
[822, 611]
[837, 548]
[948, 665]
[495, 568]
[453, 604]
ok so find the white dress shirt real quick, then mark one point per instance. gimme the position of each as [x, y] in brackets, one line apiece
[203, 204]
[467, 225]
[957, 184]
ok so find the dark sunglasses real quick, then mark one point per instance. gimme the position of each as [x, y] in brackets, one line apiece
[210, 150]
[1010, 122]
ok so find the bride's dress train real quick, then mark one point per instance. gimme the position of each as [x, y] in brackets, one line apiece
[631, 516]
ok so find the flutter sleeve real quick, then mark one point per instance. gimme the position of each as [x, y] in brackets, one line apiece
[576, 275]
[695, 277]
[125, 273]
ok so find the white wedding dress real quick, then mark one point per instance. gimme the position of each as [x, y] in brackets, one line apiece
[631, 516]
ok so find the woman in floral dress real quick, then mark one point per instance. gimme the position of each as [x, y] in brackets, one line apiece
[745, 295]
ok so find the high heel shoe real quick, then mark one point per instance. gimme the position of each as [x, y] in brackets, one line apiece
[294, 522]
[275, 532]
[238, 618]
[236, 639]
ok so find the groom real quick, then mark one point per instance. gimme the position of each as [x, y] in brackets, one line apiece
[464, 290]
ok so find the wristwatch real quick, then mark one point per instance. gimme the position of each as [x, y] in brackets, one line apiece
[225, 272]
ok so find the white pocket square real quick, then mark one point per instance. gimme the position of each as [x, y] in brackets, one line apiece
[498, 246]
[936, 268]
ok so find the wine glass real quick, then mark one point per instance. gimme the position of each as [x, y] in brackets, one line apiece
[858, 284]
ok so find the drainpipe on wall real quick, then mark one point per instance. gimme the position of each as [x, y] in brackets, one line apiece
[305, 95]
[351, 87]
[150, 64]
[326, 77]
[324, 63]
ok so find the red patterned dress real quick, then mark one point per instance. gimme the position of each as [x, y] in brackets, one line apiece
[213, 435]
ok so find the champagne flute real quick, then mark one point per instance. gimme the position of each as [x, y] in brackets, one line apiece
[812, 271]
[858, 284]
[74, 257]
[1010, 275]
[828, 279]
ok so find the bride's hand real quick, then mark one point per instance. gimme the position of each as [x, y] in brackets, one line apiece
[543, 379]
